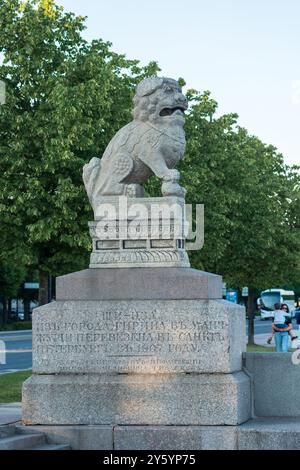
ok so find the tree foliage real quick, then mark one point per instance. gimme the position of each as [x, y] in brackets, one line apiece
[66, 97]
[251, 201]
[11, 276]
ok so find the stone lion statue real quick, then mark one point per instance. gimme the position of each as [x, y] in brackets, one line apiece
[149, 145]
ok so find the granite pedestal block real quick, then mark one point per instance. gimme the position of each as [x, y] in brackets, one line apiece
[139, 284]
[137, 399]
[133, 232]
[276, 383]
[165, 352]
[256, 434]
[175, 437]
[138, 337]
[101, 437]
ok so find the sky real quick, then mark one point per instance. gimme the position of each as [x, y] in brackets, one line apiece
[247, 53]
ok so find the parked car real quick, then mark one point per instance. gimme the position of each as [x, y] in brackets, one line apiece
[17, 316]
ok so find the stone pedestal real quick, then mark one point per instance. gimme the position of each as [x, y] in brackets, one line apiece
[139, 232]
[137, 399]
[140, 343]
[134, 336]
[157, 347]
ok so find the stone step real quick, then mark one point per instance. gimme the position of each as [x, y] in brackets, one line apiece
[22, 441]
[52, 447]
[271, 433]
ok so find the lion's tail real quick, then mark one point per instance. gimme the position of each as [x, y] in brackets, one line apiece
[90, 174]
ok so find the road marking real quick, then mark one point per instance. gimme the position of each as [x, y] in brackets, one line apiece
[16, 332]
[15, 338]
[14, 351]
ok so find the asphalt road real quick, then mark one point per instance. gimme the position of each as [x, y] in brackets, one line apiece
[18, 346]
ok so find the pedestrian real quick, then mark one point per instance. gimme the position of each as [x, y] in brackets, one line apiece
[280, 329]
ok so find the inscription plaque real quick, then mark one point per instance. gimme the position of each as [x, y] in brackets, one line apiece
[135, 336]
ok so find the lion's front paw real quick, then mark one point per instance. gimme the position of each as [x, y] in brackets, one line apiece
[172, 189]
[170, 185]
[172, 176]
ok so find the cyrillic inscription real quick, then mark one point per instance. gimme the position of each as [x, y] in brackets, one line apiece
[125, 339]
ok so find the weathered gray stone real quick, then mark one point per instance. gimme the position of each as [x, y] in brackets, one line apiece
[139, 346]
[276, 383]
[140, 232]
[138, 337]
[129, 258]
[143, 206]
[183, 399]
[175, 437]
[19, 442]
[256, 434]
[77, 437]
[139, 284]
[270, 434]
[151, 144]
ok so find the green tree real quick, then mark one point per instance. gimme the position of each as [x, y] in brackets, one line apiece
[251, 202]
[11, 277]
[65, 99]
[264, 248]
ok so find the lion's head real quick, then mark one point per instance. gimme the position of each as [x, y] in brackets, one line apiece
[160, 101]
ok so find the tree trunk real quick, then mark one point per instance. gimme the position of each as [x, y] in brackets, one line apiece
[251, 309]
[43, 289]
[5, 311]
[2, 313]
[26, 309]
[9, 309]
[50, 288]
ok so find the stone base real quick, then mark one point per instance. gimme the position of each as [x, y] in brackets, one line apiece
[139, 437]
[140, 258]
[139, 284]
[256, 434]
[77, 437]
[270, 434]
[139, 232]
[173, 399]
[282, 400]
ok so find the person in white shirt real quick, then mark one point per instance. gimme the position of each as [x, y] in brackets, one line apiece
[280, 329]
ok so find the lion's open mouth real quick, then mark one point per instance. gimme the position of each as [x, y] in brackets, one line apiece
[170, 111]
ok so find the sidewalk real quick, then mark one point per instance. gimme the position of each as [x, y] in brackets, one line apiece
[261, 340]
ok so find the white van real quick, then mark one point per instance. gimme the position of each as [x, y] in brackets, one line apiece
[270, 297]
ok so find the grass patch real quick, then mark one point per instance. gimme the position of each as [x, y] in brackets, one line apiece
[11, 386]
[19, 325]
[258, 348]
